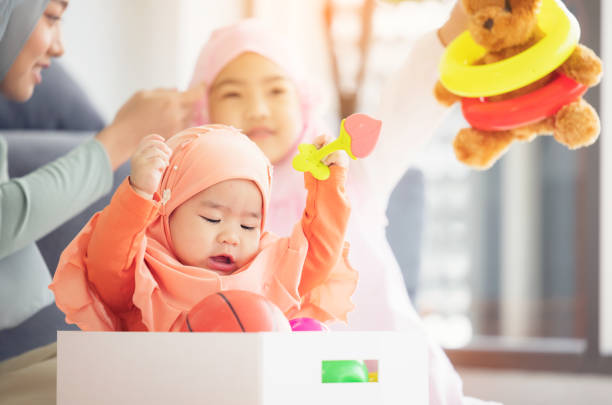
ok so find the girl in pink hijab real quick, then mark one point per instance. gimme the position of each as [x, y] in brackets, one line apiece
[188, 223]
[255, 82]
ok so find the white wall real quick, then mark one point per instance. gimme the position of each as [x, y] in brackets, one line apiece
[116, 47]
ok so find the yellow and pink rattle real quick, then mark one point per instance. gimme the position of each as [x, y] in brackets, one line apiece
[358, 136]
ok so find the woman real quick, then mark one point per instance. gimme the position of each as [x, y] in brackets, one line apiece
[31, 206]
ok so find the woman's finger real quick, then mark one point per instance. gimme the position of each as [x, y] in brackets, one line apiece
[192, 95]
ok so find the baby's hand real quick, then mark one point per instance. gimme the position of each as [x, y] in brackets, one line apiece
[148, 164]
[339, 157]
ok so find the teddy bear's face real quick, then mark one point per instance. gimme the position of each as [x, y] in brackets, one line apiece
[500, 24]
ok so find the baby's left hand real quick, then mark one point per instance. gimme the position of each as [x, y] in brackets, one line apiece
[339, 157]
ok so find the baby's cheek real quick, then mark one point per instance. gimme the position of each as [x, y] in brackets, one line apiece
[252, 246]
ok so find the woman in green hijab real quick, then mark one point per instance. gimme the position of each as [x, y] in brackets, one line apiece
[33, 205]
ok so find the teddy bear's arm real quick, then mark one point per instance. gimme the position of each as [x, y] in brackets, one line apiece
[584, 66]
[444, 96]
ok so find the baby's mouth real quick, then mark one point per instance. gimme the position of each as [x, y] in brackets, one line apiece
[221, 263]
[259, 133]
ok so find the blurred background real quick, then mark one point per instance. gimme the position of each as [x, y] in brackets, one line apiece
[513, 272]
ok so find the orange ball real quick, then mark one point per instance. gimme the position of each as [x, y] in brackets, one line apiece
[236, 311]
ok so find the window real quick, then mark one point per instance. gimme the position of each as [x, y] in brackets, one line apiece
[510, 268]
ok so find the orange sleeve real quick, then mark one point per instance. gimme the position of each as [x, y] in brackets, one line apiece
[324, 224]
[331, 301]
[114, 243]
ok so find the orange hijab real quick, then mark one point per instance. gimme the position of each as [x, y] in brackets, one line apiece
[165, 289]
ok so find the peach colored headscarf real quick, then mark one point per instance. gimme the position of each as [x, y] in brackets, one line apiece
[165, 289]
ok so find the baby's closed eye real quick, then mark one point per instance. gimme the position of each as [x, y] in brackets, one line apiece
[211, 220]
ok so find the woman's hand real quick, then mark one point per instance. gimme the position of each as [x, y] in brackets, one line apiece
[162, 111]
[148, 164]
[339, 157]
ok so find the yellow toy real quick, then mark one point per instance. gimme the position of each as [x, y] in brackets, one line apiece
[460, 76]
[358, 136]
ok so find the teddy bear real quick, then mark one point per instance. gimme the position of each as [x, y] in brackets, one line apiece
[506, 28]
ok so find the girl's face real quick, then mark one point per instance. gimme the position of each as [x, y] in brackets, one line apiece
[253, 94]
[219, 228]
[44, 43]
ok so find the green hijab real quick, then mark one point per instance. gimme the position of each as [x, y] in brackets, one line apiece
[17, 20]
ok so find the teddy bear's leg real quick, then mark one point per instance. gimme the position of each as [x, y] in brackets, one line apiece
[445, 97]
[577, 125]
[480, 149]
[584, 66]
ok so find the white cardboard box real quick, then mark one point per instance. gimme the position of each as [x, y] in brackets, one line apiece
[236, 368]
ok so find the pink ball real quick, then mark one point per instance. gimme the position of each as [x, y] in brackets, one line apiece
[307, 324]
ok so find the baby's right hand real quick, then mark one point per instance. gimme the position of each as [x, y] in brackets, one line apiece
[148, 163]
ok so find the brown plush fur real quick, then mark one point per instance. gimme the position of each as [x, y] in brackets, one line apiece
[506, 31]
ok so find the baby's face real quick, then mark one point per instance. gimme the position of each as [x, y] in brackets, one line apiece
[255, 95]
[218, 228]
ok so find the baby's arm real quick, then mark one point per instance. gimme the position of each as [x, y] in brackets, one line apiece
[120, 228]
[324, 220]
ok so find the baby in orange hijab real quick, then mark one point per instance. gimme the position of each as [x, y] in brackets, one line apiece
[189, 222]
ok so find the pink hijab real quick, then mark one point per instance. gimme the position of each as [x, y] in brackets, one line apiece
[250, 35]
[165, 289]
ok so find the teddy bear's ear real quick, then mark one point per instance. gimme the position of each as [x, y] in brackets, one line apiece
[472, 6]
[469, 6]
[528, 7]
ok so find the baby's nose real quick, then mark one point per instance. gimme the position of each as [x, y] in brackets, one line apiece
[229, 238]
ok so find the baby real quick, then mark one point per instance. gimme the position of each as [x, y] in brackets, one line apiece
[189, 222]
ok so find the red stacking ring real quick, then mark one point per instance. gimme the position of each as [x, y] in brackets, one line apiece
[526, 109]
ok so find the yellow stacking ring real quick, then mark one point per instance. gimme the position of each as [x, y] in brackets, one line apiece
[457, 74]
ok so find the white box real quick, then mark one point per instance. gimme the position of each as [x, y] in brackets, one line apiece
[236, 368]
